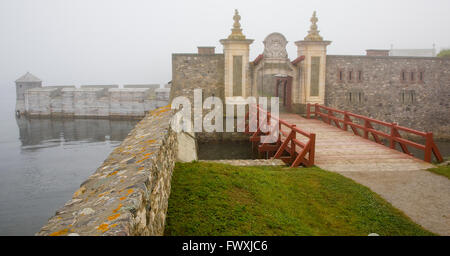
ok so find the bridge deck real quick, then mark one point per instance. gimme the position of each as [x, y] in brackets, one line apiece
[397, 177]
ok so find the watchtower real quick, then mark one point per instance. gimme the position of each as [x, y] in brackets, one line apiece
[24, 83]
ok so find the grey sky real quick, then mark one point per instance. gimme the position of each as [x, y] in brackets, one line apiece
[131, 41]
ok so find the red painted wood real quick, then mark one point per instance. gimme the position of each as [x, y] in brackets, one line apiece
[287, 148]
[394, 137]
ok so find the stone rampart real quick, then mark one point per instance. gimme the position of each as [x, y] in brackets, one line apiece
[93, 101]
[128, 194]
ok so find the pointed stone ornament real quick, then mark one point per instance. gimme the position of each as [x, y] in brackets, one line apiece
[236, 49]
[236, 31]
[313, 33]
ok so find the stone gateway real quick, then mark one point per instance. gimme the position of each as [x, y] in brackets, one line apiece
[411, 91]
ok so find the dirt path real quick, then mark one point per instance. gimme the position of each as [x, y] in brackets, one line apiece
[398, 178]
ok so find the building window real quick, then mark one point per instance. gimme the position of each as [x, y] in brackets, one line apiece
[403, 76]
[421, 73]
[350, 75]
[412, 76]
[360, 77]
[341, 75]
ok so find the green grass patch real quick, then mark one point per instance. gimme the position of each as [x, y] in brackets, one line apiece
[443, 170]
[218, 199]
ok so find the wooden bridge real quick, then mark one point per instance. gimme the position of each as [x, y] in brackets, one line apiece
[397, 176]
[323, 138]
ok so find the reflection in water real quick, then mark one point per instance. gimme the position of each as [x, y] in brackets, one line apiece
[36, 131]
[45, 161]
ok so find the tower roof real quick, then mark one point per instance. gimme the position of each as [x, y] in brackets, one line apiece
[28, 78]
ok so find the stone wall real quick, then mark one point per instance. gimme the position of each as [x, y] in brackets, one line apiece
[386, 91]
[192, 71]
[93, 101]
[128, 194]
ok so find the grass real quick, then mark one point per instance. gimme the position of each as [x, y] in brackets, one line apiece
[218, 199]
[443, 170]
[444, 53]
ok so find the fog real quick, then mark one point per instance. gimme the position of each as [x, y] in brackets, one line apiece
[73, 42]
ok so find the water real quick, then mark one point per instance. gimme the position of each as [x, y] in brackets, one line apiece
[225, 150]
[42, 162]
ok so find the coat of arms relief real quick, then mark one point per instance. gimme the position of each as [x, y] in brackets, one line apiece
[275, 46]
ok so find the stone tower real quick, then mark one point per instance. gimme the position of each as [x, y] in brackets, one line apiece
[314, 48]
[24, 83]
[236, 49]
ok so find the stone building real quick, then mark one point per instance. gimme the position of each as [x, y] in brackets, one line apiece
[412, 91]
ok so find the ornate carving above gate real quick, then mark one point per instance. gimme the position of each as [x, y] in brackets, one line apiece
[275, 46]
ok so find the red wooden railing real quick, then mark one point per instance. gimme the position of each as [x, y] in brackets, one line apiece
[288, 147]
[394, 137]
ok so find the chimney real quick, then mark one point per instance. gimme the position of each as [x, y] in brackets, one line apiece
[206, 50]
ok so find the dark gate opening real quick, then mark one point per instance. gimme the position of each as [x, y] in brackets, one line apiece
[225, 150]
[283, 90]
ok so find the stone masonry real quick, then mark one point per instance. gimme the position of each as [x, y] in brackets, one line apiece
[128, 194]
[197, 71]
[412, 91]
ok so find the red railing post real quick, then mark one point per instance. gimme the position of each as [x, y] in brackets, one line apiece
[428, 146]
[293, 144]
[279, 133]
[346, 119]
[312, 149]
[257, 117]
[308, 110]
[366, 127]
[393, 134]
[329, 114]
[316, 109]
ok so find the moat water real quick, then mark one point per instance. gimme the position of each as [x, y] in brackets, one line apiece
[42, 162]
[225, 150]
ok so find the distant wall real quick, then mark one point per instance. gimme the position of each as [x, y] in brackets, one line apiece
[412, 91]
[128, 194]
[92, 101]
[101, 86]
[151, 86]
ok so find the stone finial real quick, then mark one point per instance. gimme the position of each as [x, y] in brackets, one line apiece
[236, 31]
[313, 33]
